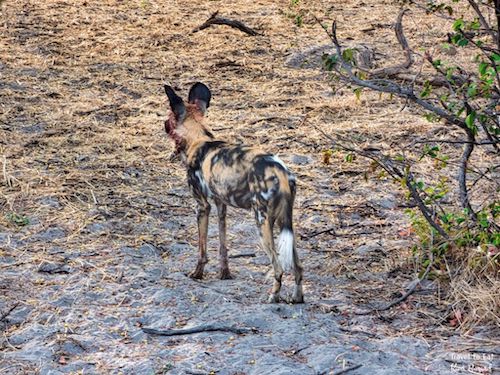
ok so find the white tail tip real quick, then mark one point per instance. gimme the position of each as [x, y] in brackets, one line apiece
[285, 249]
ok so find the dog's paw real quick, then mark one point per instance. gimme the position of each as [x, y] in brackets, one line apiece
[196, 274]
[225, 274]
[273, 298]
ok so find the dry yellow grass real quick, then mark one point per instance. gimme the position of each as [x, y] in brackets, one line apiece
[82, 110]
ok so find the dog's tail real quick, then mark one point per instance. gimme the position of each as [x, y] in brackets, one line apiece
[287, 252]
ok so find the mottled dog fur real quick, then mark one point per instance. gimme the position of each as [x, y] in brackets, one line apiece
[239, 176]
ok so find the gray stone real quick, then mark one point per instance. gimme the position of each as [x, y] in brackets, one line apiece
[64, 301]
[301, 159]
[29, 333]
[52, 202]
[387, 203]
[34, 352]
[80, 367]
[145, 367]
[47, 369]
[157, 319]
[33, 129]
[96, 228]
[408, 346]
[51, 234]
[54, 268]
[180, 248]
[149, 250]
[20, 314]
[369, 249]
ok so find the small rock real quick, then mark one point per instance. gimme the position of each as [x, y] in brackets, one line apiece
[51, 202]
[301, 159]
[149, 250]
[387, 203]
[19, 315]
[180, 248]
[51, 234]
[369, 248]
[33, 331]
[96, 228]
[54, 268]
[144, 367]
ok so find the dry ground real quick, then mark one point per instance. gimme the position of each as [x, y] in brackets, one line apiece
[97, 228]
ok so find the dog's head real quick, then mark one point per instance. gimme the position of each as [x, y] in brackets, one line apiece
[185, 121]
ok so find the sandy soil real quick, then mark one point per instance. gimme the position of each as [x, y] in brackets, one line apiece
[97, 227]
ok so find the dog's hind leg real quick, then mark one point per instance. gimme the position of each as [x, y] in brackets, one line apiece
[224, 267]
[265, 226]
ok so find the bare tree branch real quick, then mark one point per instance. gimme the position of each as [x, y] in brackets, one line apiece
[474, 5]
[462, 175]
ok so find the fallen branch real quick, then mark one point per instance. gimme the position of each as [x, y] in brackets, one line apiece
[243, 255]
[314, 234]
[403, 67]
[214, 20]
[412, 287]
[198, 329]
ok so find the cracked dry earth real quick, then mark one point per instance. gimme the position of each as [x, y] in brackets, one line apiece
[97, 227]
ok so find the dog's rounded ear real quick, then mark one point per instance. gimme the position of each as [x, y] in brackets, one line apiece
[176, 104]
[200, 95]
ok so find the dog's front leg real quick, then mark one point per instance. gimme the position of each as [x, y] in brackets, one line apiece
[224, 267]
[203, 212]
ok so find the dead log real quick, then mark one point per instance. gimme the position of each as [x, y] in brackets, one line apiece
[214, 20]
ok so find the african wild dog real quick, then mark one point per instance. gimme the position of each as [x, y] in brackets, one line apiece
[239, 176]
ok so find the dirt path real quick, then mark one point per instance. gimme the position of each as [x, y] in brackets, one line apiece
[97, 228]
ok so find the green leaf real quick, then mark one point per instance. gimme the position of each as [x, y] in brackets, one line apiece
[357, 92]
[348, 55]
[474, 25]
[482, 68]
[17, 219]
[469, 120]
[458, 24]
[472, 90]
[495, 57]
[427, 89]
[329, 61]
[349, 157]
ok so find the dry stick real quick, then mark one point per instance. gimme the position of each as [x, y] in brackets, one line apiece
[198, 329]
[409, 292]
[394, 70]
[243, 255]
[7, 313]
[214, 20]
[482, 20]
[346, 370]
[462, 175]
[451, 142]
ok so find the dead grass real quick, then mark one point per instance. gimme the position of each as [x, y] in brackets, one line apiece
[475, 293]
[82, 111]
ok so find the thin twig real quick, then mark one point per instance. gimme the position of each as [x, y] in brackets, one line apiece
[198, 329]
[347, 369]
[412, 287]
[243, 255]
[7, 313]
[456, 142]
